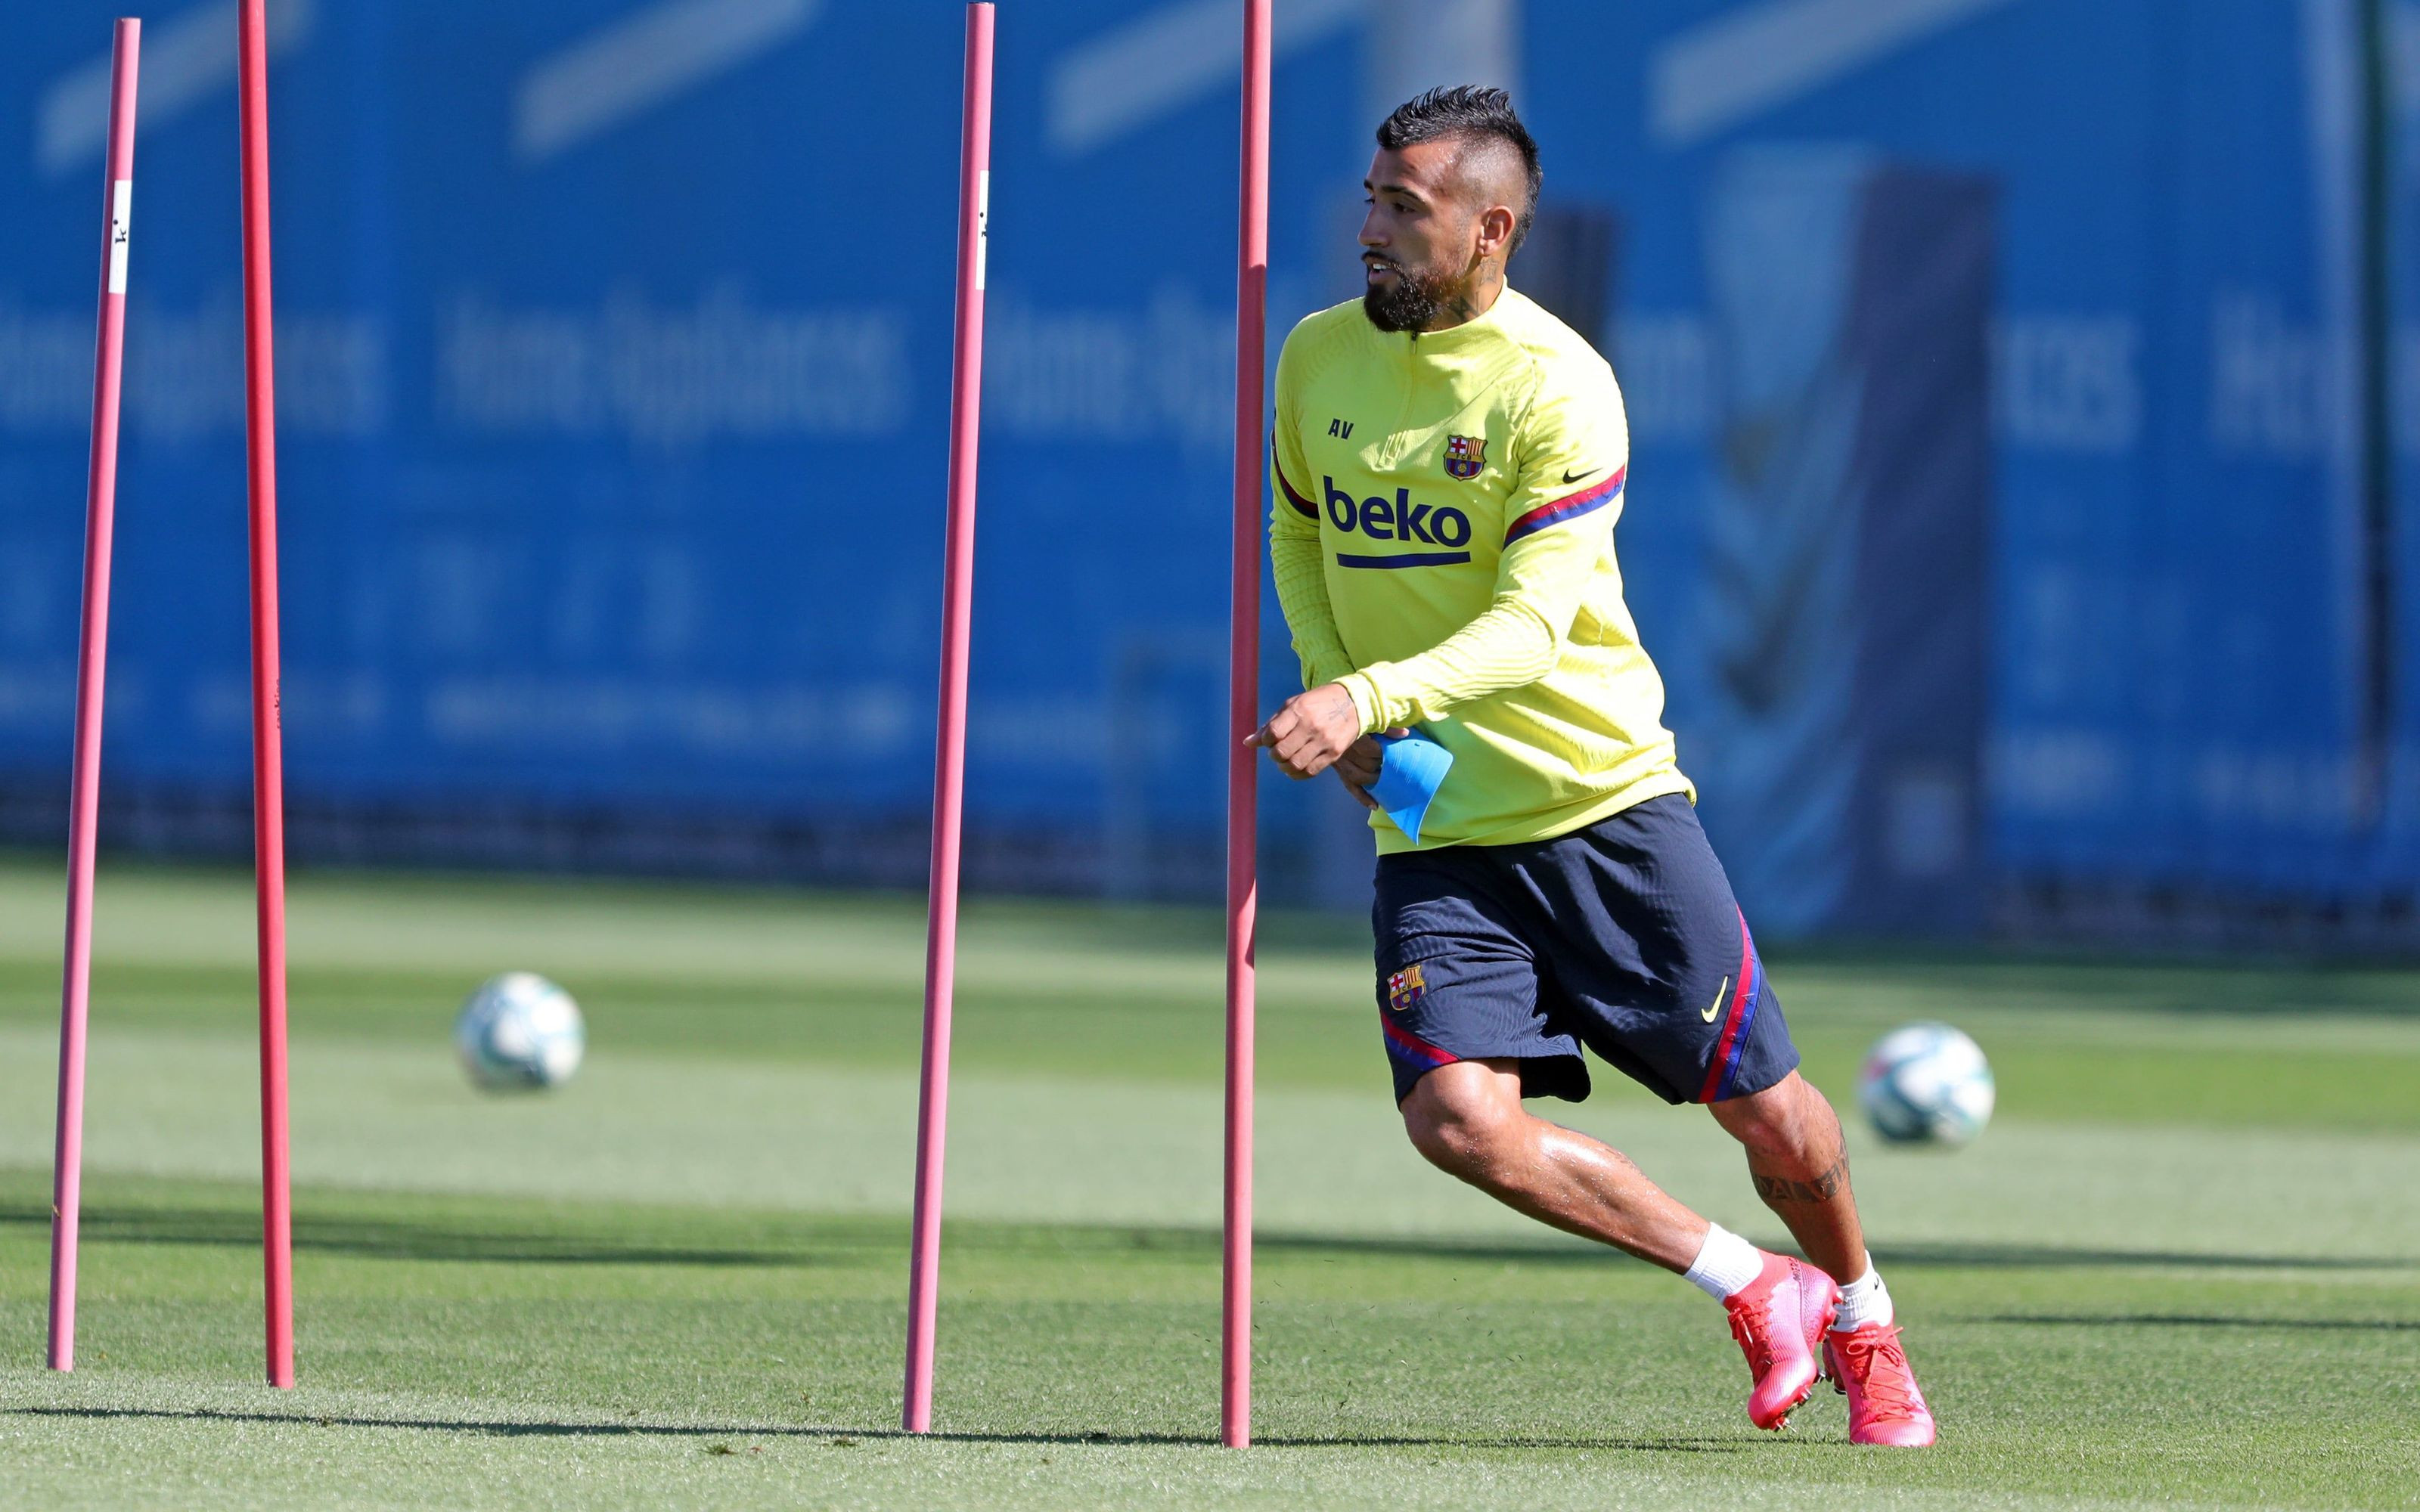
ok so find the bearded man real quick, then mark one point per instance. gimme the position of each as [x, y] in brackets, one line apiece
[1448, 463]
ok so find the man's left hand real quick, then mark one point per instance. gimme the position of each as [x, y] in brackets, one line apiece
[1360, 765]
[1311, 730]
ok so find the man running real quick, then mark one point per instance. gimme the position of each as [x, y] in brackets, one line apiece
[1448, 463]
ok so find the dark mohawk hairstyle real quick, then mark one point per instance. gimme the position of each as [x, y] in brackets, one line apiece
[1468, 112]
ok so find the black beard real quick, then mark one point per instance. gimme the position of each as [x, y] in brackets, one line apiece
[1412, 302]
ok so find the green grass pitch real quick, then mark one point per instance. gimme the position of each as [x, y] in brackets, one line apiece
[2182, 1268]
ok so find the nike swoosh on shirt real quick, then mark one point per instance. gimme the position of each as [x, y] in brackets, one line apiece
[1575, 477]
[1716, 1006]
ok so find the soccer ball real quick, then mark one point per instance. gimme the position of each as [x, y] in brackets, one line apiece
[1926, 1084]
[520, 1030]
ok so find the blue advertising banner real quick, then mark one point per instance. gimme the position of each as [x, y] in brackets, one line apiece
[614, 339]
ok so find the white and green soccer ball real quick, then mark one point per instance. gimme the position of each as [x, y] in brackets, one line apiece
[520, 1030]
[1926, 1084]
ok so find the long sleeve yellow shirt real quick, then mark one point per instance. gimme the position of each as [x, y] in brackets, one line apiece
[1442, 536]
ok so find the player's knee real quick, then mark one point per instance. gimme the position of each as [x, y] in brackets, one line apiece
[1453, 1128]
[1453, 1140]
[1783, 1119]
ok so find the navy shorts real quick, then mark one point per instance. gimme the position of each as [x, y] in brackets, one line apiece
[1623, 937]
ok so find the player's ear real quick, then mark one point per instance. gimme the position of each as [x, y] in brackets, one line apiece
[1495, 231]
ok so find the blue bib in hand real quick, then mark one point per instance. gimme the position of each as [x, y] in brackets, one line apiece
[1410, 770]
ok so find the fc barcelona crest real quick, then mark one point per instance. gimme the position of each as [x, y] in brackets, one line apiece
[1465, 455]
[1405, 988]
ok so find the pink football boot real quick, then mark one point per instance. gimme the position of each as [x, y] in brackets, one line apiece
[1885, 1407]
[1779, 1320]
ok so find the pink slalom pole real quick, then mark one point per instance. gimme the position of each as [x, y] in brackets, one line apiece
[1243, 717]
[267, 759]
[950, 757]
[92, 661]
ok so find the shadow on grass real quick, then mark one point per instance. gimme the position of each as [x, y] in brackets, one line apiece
[1946, 1255]
[406, 1241]
[2053, 1257]
[805, 1242]
[2363, 1325]
[840, 1437]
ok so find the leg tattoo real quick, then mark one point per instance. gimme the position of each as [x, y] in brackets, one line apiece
[1823, 1188]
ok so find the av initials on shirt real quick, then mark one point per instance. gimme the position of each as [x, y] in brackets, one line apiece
[1341, 429]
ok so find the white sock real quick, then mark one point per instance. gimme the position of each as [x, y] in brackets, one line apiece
[1864, 1301]
[1725, 1264]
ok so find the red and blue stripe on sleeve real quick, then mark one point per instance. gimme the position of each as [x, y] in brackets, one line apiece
[1570, 507]
[1301, 507]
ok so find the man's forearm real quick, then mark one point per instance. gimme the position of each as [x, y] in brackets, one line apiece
[1507, 647]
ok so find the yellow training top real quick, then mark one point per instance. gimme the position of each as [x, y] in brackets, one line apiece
[1443, 540]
